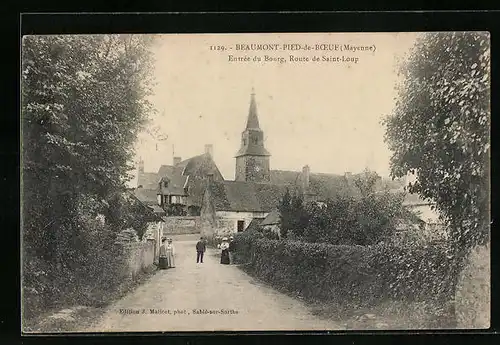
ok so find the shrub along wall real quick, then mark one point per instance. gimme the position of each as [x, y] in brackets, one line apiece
[99, 276]
[359, 274]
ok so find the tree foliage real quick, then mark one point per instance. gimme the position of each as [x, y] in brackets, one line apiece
[293, 215]
[84, 100]
[439, 129]
[368, 219]
[367, 182]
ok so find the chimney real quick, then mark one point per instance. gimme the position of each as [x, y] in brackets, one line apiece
[209, 149]
[306, 172]
[177, 160]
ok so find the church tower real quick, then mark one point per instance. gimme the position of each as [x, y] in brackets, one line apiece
[252, 160]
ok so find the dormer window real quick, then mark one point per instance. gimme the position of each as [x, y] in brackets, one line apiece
[165, 184]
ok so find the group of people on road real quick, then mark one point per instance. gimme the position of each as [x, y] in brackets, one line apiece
[226, 247]
[167, 252]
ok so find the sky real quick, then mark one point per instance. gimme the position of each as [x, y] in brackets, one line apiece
[324, 114]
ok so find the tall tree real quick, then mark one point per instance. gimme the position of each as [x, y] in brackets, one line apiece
[84, 100]
[439, 129]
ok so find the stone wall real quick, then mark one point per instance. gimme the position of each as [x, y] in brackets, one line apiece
[181, 225]
[138, 257]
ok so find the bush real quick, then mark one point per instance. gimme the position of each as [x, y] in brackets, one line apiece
[87, 276]
[243, 249]
[365, 220]
[358, 274]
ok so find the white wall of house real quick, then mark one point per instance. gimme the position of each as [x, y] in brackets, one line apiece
[227, 221]
[178, 199]
[433, 228]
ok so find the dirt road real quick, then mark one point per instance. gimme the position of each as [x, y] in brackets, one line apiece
[206, 297]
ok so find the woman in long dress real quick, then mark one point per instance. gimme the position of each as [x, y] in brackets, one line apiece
[224, 257]
[163, 260]
[170, 254]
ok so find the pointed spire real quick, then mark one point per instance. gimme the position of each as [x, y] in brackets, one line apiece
[253, 121]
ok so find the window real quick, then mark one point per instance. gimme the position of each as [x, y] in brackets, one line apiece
[165, 199]
[244, 141]
[255, 140]
[241, 225]
[165, 184]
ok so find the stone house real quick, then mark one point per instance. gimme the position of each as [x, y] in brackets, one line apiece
[181, 184]
[230, 206]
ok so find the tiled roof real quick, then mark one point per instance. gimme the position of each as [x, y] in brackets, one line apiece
[329, 186]
[255, 224]
[146, 196]
[175, 186]
[191, 165]
[165, 170]
[246, 196]
[253, 150]
[148, 180]
[285, 177]
[324, 186]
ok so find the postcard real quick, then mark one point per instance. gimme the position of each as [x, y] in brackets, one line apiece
[255, 182]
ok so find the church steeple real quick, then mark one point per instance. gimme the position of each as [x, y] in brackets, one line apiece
[253, 120]
[252, 160]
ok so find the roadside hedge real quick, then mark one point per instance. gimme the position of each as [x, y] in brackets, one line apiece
[90, 277]
[358, 274]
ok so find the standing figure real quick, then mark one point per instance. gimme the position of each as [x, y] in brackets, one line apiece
[170, 254]
[231, 250]
[163, 260]
[200, 250]
[224, 257]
